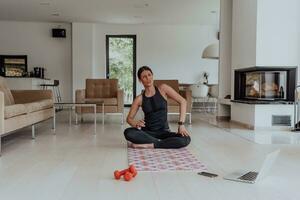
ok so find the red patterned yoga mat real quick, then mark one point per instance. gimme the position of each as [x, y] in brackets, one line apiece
[164, 160]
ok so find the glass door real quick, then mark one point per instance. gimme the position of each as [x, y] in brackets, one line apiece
[121, 63]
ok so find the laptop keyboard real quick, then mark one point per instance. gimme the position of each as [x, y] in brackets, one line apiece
[250, 176]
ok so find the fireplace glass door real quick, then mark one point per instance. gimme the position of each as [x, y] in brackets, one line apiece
[268, 85]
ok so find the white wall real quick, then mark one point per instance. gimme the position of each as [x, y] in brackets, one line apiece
[278, 33]
[243, 113]
[225, 54]
[265, 33]
[34, 40]
[243, 52]
[173, 52]
[82, 53]
[244, 33]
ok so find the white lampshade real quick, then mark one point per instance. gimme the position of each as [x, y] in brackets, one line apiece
[211, 51]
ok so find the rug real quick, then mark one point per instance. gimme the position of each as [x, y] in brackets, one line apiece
[164, 160]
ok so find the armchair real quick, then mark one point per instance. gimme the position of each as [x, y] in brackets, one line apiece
[101, 90]
[173, 106]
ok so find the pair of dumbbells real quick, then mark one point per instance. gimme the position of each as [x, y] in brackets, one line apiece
[128, 173]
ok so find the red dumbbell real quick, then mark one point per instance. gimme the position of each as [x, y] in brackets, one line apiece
[128, 176]
[118, 173]
[131, 169]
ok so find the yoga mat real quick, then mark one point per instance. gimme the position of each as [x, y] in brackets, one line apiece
[164, 160]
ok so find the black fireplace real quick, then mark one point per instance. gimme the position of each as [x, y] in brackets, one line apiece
[266, 84]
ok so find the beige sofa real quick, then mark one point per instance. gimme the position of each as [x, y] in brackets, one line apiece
[21, 108]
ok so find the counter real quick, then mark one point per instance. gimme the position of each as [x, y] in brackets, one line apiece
[26, 83]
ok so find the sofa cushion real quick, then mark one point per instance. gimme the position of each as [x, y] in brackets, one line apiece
[8, 98]
[14, 110]
[38, 105]
[107, 101]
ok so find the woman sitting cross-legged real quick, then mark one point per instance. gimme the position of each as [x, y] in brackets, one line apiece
[153, 131]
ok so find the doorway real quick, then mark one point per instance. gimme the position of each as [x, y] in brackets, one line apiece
[121, 63]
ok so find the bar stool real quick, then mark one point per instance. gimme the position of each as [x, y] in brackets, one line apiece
[55, 89]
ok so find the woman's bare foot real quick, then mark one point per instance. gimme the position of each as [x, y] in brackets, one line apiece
[142, 146]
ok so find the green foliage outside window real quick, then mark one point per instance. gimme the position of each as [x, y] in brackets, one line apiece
[120, 64]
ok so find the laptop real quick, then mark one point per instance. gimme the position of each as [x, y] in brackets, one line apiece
[251, 176]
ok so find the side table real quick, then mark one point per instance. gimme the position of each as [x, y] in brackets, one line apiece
[72, 105]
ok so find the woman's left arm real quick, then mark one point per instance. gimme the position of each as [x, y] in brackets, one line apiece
[170, 92]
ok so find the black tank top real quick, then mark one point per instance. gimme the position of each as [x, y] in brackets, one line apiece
[156, 111]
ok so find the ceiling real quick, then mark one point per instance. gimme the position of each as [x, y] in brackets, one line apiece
[189, 12]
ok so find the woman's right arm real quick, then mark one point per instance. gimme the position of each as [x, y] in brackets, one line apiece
[132, 112]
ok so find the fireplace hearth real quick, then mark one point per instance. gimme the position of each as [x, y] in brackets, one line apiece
[265, 84]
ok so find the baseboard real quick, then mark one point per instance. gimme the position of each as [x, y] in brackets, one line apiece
[223, 118]
[251, 127]
[275, 128]
[247, 126]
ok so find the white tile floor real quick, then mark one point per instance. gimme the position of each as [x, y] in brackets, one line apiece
[76, 164]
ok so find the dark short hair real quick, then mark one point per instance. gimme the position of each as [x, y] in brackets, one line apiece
[143, 68]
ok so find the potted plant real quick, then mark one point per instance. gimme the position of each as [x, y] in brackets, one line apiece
[205, 77]
[200, 89]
